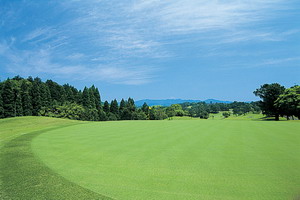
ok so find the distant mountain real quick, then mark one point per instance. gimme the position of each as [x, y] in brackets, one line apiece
[168, 102]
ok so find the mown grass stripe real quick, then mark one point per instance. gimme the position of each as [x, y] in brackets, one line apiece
[25, 177]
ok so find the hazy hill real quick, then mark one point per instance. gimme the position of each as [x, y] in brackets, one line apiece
[168, 102]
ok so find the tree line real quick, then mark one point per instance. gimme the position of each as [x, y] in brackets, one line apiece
[203, 110]
[33, 97]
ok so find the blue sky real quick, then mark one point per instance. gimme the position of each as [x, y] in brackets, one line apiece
[189, 49]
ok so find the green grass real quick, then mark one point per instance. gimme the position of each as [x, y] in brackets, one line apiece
[170, 159]
[219, 116]
[22, 174]
[196, 159]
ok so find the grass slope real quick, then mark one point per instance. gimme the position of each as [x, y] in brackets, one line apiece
[22, 175]
[188, 159]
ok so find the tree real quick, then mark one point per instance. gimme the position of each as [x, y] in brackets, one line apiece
[18, 101]
[170, 111]
[145, 108]
[26, 98]
[130, 105]
[269, 93]
[139, 115]
[288, 103]
[126, 113]
[1, 103]
[106, 107]
[45, 95]
[122, 108]
[114, 107]
[8, 99]
[97, 98]
[157, 113]
[36, 96]
[226, 114]
[177, 109]
[86, 98]
[57, 91]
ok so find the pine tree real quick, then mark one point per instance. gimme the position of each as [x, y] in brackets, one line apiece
[114, 107]
[70, 93]
[97, 97]
[130, 105]
[1, 103]
[45, 95]
[106, 107]
[26, 98]
[8, 99]
[123, 110]
[57, 91]
[145, 108]
[36, 96]
[92, 98]
[122, 105]
[18, 102]
[86, 99]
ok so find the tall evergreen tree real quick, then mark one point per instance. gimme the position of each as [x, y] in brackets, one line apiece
[92, 97]
[123, 110]
[1, 103]
[36, 96]
[57, 91]
[122, 105]
[8, 99]
[97, 97]
[114, 107]
[106, 108]
[26, 98]
[130, 105]
[86, 99]
[18, 101]
[70, 95]
[145, 108]
[45, 95]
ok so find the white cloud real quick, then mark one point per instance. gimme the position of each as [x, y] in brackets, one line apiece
[109, 36]
[33, 63]
[188, 16]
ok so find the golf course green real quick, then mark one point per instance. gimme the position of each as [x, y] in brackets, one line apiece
[46, 158]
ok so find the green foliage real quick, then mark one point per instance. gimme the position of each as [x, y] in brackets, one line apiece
[106, 107]
[139, 115]
[8, 99]
[1, 103]
[26, 97]
[114, 107]
[157, 113]
[86, 98]
[288, 103]
[170, 111]
[36, 96]
[226, 114]
[57, 91]
[145, 108]
[112, 117]
[200, 110]
[269, 94]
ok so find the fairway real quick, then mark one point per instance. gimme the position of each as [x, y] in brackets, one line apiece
[196, 159]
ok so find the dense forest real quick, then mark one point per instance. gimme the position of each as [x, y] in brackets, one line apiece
[33, 97]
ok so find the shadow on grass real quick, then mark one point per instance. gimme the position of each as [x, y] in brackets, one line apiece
[23, 176]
